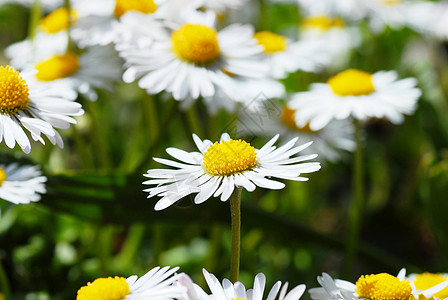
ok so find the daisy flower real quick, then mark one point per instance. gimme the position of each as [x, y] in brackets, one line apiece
[328, 142]
[221, 166]
[372, 287]
[347, 8]
[228, 290]
[157, 284]
[285, 56]
[358, 94]
[426, 280]
[194, 60]
[98, 67]
[38, 109]
[21, 184]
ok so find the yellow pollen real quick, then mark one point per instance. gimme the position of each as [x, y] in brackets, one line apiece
[383, 287]
[57, 20]
[352, 83]
[195, 43]
[143, 6]
[238, 299]
[229, 157]
[14, 93]
[287, 118]
[58, 66]
[322, 22]
[271, 42]
[105, 289]
[428, 280]
[2, 179]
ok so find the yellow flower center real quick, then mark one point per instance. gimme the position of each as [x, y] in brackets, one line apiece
[391, 2]
[14, 93]
[287, 118]
[322, 23]
[57, 20]
[352, 83]
[271, 42]
[383, 287]
[428, 280]
[195, 43]
[143, 6]
[2, 179]
[229, 157]
[58, 66]
[105, 289]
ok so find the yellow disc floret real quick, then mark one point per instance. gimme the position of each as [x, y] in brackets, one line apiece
[428, 280]
[143, 6]
[271, 42]
[58, 66]
[57, 20]
[287, 118]
[322, 23]
[196, 43]
[104, 289]
[352, 83]
[229, 157]
[383, 287]
[14, 93]
[2, 176]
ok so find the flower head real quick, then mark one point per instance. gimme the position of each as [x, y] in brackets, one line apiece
[221, 166]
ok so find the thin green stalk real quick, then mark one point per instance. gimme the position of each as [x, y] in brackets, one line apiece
[4, 283]
[36, 15]
[69, 24]
[130, 247]
[235, 212]
[356, 206]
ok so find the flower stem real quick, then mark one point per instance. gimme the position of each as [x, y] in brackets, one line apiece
[36, 14]
[356, 207]
[235, 211]
[4, 283]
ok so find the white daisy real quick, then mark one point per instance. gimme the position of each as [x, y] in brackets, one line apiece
[358, 94]
[220, 6]
[285, 56]
[228, 290]
[21, 184]
[47, 5]
[98, 67]
[327, 142]
[350, 9]
[194, 60]
[426, 280]
[372, 287]
[157, 284]
[39, 109]
[221, 166]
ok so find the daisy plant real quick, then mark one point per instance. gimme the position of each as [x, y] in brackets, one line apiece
[362, 96]
[222, 169]
[157, 284]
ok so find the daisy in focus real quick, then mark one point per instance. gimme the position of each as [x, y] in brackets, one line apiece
[157, 284]
[229, 291]
[285, 56]
[222, 166]
[426, 280]
[24, 103]
[358, 94]
[372, 287]
[328, 143]
[194, 60]
[21, 184]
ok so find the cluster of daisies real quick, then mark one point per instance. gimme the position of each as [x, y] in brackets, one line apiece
[164, 283]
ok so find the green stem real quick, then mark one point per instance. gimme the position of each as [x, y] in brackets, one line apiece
[356, 207]
[130, 248]
[36, 15]
[235, 212]
[4, 283]
[69, 24]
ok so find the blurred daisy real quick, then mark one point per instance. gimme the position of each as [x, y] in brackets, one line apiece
[229, 291]
[98, 67]
[220, 6]
[39, 109]
[21, 184]
[194, 60]
[285, 56]
[221, 166]
[157, 284]
[331, 31]
[328, 142]
[358, 94]
[347, 8]
[372, 287]
[426, 280]
[47, 5]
